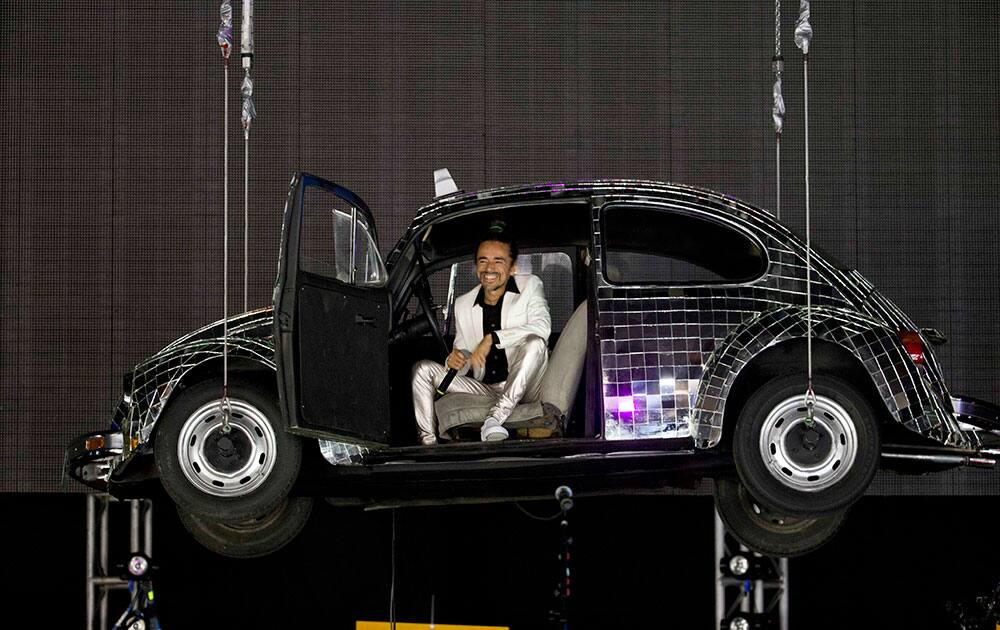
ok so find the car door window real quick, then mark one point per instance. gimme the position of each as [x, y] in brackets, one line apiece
[336, 241]
[658, 245]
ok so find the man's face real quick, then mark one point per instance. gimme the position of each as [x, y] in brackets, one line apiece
[493, 264]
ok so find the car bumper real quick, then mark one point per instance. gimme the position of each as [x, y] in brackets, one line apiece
[978, 413]
[91, 458]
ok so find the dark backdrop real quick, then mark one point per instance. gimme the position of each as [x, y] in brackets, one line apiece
[111, 247]
[112, 155]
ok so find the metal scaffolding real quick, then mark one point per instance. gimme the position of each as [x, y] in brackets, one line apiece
[99, 582]
[757, 599]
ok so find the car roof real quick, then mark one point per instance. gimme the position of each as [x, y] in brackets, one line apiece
[461, 200]
[704, 198]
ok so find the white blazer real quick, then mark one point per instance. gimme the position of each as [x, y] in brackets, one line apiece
[525, 313]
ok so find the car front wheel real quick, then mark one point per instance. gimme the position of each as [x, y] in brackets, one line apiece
[802, 468]
[229, 476]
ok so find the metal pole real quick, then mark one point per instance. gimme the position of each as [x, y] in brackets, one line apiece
[134, 506]
[105, 506]
[91, 560]
[783, 604]
[720, 590]
[148, 528]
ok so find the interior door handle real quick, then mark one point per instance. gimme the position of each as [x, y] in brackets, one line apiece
[364, 320]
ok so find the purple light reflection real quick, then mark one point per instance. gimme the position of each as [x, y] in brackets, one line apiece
[626, 405]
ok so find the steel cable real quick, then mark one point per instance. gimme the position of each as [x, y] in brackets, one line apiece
[803, 37]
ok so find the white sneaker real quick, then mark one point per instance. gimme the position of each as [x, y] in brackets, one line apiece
[492, 430]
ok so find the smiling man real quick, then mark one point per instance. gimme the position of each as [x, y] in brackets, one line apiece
[502, 334]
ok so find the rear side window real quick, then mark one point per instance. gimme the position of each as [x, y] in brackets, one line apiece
[644, 245]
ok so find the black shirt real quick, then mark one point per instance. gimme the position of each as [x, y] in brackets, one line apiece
[496, 360]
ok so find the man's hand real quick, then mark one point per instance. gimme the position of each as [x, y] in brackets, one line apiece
[456, 359]
[478, 358]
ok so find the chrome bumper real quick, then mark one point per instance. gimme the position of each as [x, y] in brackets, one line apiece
[91, 458]
[978, 413]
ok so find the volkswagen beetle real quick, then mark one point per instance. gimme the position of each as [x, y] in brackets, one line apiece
[680, 351]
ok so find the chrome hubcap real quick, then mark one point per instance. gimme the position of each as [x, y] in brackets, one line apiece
[229, 464]
[808, 458]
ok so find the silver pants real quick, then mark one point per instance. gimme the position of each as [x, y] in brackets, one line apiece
[526, 364]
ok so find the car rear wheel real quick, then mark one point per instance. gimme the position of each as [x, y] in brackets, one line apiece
[254, 537]
[767, 532]
[231, 476]
[800, 468]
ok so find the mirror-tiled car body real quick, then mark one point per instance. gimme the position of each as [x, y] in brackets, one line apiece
[689, 291]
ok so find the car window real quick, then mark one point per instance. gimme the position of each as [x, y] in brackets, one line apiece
[554, 268]
[328, 244]
[649, 245]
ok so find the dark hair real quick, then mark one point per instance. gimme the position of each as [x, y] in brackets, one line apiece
[498, 232]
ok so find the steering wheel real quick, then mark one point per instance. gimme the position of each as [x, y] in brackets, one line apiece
[422, 290]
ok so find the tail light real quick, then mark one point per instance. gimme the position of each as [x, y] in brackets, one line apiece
[914, 345]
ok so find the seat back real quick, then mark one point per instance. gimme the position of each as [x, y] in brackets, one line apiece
[562, 375]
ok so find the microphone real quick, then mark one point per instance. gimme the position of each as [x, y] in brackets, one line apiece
[565, 498]
[445, 383]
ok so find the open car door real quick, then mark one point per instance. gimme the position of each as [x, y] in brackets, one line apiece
[331, 316]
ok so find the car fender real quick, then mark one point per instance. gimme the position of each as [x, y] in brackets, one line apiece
[155, 380]
[901, 385]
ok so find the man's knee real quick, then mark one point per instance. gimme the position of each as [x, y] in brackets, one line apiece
[535, 344]
[423, 369]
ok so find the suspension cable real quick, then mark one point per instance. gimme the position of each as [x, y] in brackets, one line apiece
[803, 37]
[778, 108]
[246, 214]
[247, 116]
[225, 39]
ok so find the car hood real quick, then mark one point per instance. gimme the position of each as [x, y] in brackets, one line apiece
[254, 324]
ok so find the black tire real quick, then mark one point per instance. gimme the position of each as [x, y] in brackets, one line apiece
[766, 532]
[799, 472]
[248, 478]
[255, 537]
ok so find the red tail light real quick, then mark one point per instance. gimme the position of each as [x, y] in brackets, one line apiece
[914, 345]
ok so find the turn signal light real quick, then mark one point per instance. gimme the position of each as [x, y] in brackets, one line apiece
[94, 443]
[914, 345]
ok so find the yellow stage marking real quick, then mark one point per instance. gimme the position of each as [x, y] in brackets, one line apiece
[384, 625]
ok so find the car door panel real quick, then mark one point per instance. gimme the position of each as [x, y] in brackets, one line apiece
[332, 315]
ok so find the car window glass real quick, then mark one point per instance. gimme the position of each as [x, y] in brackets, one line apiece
[644, 245]
[326, 241]
[370, 271]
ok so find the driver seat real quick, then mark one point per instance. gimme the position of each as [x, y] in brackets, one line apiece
[461, 415]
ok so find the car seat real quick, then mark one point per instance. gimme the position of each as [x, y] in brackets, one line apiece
[460, 415]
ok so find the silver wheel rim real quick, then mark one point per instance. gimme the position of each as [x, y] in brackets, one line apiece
[831, 419]
[247, 423]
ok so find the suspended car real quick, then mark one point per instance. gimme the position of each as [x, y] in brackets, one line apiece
[678, 353]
